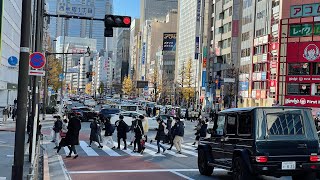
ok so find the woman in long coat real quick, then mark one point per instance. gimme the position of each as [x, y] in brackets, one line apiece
[72, 136]
[160, 135]
[94, 133]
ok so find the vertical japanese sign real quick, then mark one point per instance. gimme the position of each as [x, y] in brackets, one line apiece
[1, 13]
[204, 78]
[143, 56]
[198, 10]
[169, 41]
[197, 45]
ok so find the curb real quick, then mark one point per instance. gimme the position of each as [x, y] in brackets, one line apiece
[46, 174]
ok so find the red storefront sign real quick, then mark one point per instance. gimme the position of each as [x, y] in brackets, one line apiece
[273, 83]
[303, 52]
[273, 64]
[305, 101]
[274, 46]
[303, 79]
[258, 94]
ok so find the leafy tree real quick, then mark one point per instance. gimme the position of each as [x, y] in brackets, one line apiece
[188, 82]
[156, 82]
[88, 88]
[101, 88]
[127, 85]
[54, 69]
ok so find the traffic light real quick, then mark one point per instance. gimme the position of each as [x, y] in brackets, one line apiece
[117, 21]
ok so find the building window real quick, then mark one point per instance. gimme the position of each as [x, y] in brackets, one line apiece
[226, 27]
[245, 52]
[298, 89]
[221, 16]
[315, 68]
[261, 14]
[256, 85]
[230, 11]
[260, 32]
[298, 69]
[226, 43]
[316, 89]
[247, 3]
[245, 36]
[247, 19]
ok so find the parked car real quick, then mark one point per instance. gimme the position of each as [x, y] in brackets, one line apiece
[90, 102]
[128, 116]
[84, 113]
[272, 141]
[108, 112]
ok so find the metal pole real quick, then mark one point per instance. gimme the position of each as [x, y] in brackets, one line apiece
[17, 168]
[61, 90]
[197, 98]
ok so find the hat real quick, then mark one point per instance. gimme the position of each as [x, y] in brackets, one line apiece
[121, 117]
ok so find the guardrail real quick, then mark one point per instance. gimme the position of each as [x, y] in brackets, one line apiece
[35, 171]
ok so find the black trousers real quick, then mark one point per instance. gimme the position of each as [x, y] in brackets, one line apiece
[124, 141]
[72, 148]
[137, 141]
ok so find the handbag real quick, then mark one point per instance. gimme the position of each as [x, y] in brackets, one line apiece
[63, 134]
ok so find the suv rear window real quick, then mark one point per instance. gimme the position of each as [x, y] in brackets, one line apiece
[110, 111]
[285, 123]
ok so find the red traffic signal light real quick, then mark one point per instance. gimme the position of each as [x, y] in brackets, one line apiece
[117, 21]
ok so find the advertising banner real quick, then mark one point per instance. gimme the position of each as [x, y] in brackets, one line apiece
[304, 79]
[263, 94]
[243, 86]
[258, 94]
[305, 10]
[273, 83]
[169, 41]
[143, 57]
[253, 94]
[305, 101]
[263, 76]
[204, 78]
[303, 52]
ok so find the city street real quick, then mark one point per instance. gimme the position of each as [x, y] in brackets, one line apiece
[95, 163]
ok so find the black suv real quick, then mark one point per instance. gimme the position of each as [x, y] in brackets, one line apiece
[272, 141]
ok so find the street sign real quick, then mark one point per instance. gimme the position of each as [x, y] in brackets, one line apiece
[146, 88]
[229, 80]
[36, 72]
[37, 60]
[61, 76]
[13, 61]
[72, 9]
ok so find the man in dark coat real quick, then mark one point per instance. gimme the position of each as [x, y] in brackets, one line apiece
[122, 129]
[72, 136]
[94, 133]
[138, 133]
[154, 111]
[108, 133]
[160, 135]
[57, 128]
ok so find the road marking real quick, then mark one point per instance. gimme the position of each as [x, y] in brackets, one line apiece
[152, 153]
[133, 171]
[10, 156]
[168, 152]
[108, 150]
[128, 151]
[3, 178]
[181, 175]
[184, 151]
[189, 147]
[89, 151]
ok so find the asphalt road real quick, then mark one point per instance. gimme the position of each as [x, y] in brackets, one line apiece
[95, 163]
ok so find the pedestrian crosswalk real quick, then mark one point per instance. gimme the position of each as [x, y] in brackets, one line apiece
[151, 150]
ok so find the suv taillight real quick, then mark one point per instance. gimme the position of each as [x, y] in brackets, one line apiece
[261, 159]
[314, 158]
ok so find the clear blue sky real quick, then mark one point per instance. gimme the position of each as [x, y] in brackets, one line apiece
[127, 7]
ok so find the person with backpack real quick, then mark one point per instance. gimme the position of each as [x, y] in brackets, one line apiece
[138, 133]
[122, 129]
[108, 133]
[57, 127]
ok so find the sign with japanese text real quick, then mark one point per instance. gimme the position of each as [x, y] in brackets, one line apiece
[169, 41]
[273, 83]
[304, 79]
[305, 101]
[75, 9]
[258, 94]
[305, 10]
[243, 86]
[263, 94]
[301, 30]
[303, 52]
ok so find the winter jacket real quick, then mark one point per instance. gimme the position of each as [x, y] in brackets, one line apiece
[57, 126]
[138, 129]
[145, 125]
[74, 127]
[109, 128]
[203, 130]
[94, 133]
[160, 131]
[122, 128]
[179, 130]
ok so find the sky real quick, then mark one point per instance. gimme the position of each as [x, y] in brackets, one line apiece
[127, 7]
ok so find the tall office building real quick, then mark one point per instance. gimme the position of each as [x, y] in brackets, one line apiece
[82, 28]
[10, 46]
[156, 9]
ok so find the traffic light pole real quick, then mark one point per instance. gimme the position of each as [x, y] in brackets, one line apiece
[17, 168]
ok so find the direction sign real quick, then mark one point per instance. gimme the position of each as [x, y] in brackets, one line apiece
[13, 61]
[37, 60]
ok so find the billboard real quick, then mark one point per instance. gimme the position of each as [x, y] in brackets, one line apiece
[305, 101]
[305, 10]
[297, 30]
[169, 41]
[303, 52]
[142, 84]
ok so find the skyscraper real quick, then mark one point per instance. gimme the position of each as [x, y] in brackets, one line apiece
[82, 28]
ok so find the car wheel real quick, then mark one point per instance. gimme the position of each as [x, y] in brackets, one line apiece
[203, 166]
[305, 176]
[241, 170]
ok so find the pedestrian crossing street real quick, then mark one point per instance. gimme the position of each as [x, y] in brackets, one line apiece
[151, 148]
